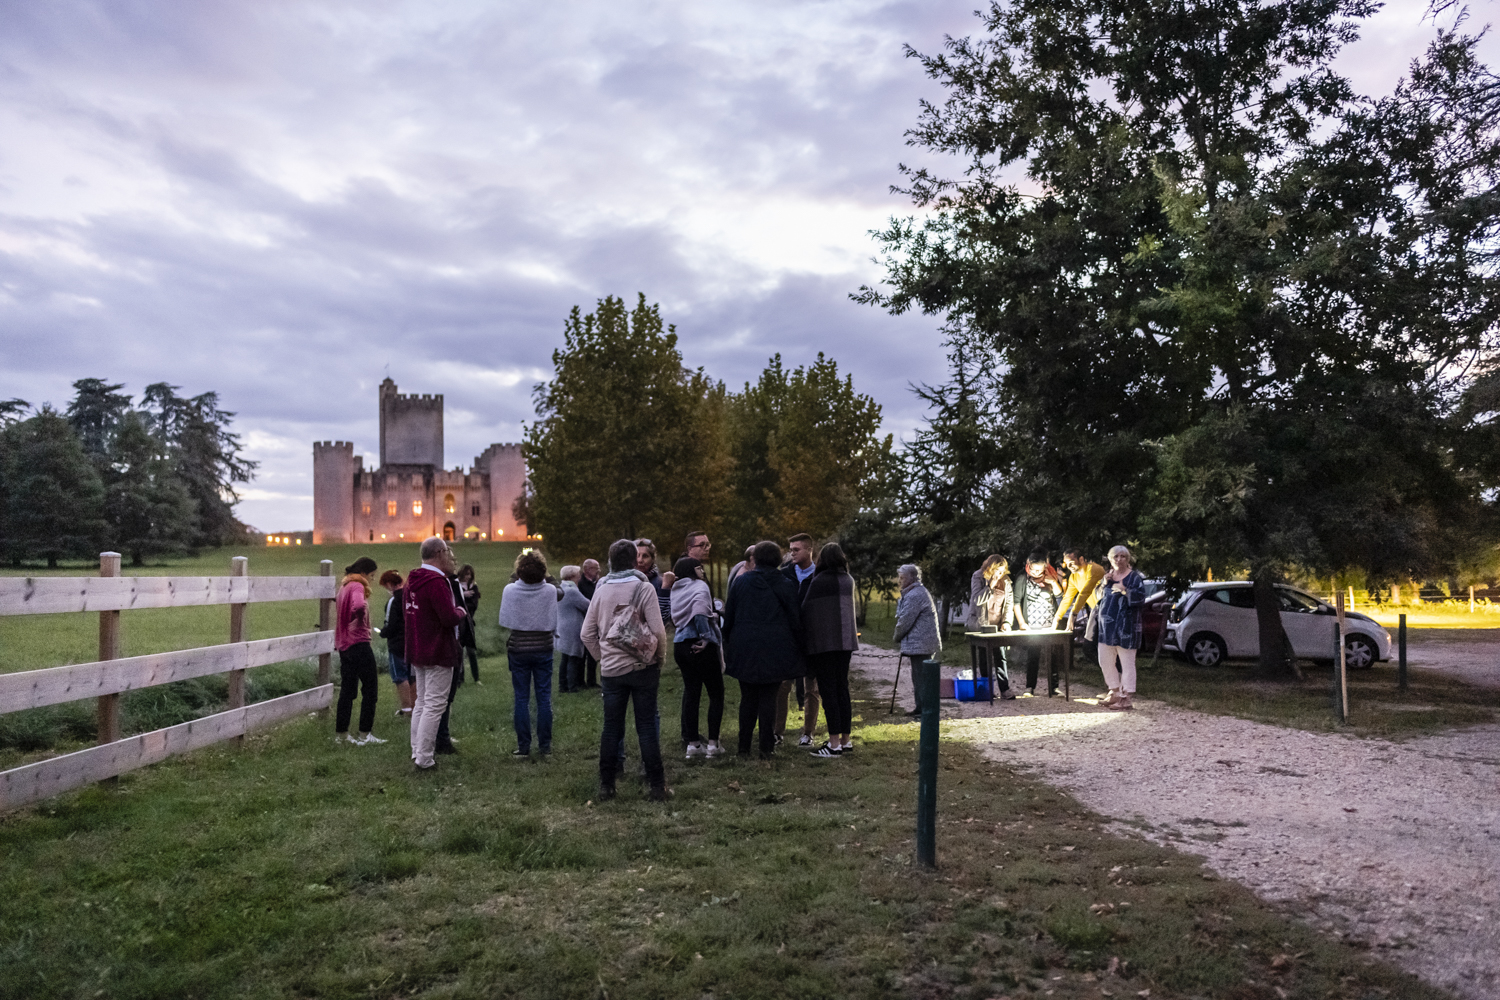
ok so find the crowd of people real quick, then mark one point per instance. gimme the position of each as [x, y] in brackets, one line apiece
[786, 628]
[1107, 602]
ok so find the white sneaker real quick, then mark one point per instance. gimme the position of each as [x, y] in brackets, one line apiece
[370, 738]
[346, 738]
[695, 750]
[805, 741]
[713, 749]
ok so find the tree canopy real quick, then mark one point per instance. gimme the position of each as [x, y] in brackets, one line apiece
[1232, 312]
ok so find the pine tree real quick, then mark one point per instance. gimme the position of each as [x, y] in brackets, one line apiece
[53, 494]
[147, 506]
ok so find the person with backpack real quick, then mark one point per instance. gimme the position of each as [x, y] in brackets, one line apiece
[528, 608]
[762, 643]
[624, 632]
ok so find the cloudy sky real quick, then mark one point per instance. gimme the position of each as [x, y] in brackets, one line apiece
[277, 199]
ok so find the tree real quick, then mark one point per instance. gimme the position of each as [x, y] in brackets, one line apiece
[1236, 321]
[207, 456]
[807, 452]
[147, 506]
[627, 442]
[53, 494]
[95, 413]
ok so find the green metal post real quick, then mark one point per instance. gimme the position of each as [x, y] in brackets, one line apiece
[1401, 655]
[926, 686]
[1338, 647]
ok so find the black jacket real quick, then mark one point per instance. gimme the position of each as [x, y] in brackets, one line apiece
[394, 629]
[763, 629]
[790, 572]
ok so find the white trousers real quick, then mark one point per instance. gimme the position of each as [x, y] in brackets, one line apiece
[1113, 677]
[432, 701]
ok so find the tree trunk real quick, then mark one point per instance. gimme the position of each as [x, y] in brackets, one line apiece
[1275, 647]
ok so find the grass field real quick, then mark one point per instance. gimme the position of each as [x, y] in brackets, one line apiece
[31, 642]
[1432, 702]
[295, 867]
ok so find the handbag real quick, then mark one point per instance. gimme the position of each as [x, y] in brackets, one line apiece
[629, 634]
[1091, 630]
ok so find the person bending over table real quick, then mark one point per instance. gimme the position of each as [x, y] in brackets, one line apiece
[1035, 609]
[991, 605]
[1122, 594]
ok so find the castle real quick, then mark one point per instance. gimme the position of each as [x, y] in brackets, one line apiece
[411, 496]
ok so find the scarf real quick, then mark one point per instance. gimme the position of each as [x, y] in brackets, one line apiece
[358, 578]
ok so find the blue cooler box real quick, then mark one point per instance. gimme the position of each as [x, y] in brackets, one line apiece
[975, 690]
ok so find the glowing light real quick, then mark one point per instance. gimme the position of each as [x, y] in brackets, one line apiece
[416, 508]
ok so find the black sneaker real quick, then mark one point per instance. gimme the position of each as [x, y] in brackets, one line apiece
[446, 749]
[520, 753]
[660, 793]
[824, 752]
[606, 792]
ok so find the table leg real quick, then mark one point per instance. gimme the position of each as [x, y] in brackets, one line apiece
[1068, 671]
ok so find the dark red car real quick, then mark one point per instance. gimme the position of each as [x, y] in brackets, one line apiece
[1153, 620]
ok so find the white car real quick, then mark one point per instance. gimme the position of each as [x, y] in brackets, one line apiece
[1215, 621]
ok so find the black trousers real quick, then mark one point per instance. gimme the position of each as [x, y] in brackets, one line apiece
[356, 671]
[831, 671]
[699, 671]
[1034, 667]
[444, 738]
[915, 660]
[590, 670]
[758, 704]
[569, 673]
[473, 662]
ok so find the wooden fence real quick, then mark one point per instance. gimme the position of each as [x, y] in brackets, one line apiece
[109, 593]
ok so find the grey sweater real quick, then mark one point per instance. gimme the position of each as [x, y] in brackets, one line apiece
[916, 622]
[529, 607]
[570, 612]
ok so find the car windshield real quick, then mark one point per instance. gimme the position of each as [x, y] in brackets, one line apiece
[1295, 600]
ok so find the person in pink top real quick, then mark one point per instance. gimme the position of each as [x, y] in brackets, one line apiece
[357, 670]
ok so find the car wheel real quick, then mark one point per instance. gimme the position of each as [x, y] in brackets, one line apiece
[1206, 650]
[1360, 652]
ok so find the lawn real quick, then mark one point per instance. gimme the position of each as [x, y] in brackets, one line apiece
[296, 867]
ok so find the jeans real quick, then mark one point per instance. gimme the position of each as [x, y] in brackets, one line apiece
[527, 669]
[570, 674]
[758, 705]
[433, 687]
[356, 670]
[699, 671]
[831, 671]
[636, 688]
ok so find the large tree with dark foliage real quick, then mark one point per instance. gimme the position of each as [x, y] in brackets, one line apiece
[51, 492]
[1235, 313]
[206, 454]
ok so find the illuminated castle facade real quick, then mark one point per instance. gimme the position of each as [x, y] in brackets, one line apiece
[411, 496]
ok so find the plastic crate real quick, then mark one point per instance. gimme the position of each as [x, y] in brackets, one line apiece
[977, 689]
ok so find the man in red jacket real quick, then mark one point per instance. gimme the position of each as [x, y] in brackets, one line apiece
[432, 648]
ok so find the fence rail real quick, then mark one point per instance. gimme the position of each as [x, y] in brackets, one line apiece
[111, 675]
[44, 595]
[33, 782]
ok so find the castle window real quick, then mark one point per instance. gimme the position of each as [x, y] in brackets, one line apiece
[474, 510]
[390, 508]
[367, 512]
[416, 508]
[449, 505]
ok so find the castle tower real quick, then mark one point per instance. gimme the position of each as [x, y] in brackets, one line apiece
[411, 428]
[507, 475]
[334, 469]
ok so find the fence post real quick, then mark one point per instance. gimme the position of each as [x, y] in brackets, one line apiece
[1471, 598]
[239, 566]
[109, 649]
[1401, 654]
[1341, 673]
[325, 622]
[926, 687]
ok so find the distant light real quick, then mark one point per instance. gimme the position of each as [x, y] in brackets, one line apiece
[499, 531]
[382, 538]
[299, 541]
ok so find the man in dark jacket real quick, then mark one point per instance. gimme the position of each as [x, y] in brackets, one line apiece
[799, 569]
[762, 642]
[432, 648]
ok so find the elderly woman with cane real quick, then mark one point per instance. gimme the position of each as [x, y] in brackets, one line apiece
[1117, 627]
[916, 629]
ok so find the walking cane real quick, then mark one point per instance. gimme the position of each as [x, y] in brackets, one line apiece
[894, 684]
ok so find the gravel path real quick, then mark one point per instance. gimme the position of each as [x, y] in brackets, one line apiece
[1394, 845]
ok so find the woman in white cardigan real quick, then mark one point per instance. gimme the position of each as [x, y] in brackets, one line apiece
[696, 647]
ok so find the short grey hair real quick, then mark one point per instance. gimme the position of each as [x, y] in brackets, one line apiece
[909, 571]
[1121, 548]
[433, 546]
[569, 573]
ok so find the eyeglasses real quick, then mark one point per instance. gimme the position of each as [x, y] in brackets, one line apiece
[644, 541]
[705, 544]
